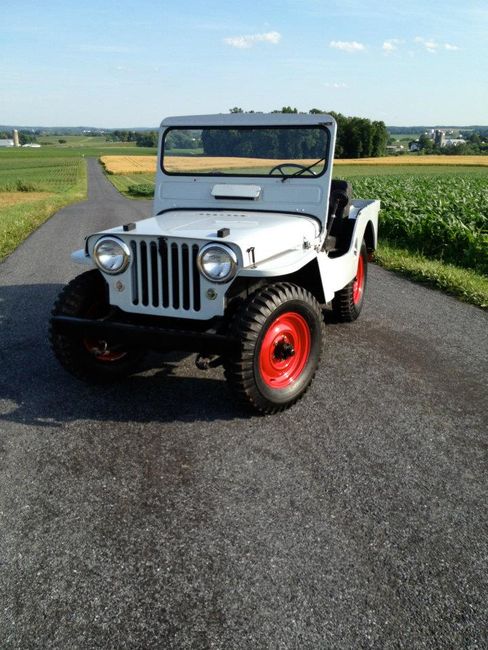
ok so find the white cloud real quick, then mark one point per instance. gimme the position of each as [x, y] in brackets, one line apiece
[430, 45]
[391, 45]
[336, 85]
[347, 46]
[246, 41]
[433, 47]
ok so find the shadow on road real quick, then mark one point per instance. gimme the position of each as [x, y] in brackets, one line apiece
[34, 389]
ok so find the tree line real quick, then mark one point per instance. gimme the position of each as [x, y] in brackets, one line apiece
[357, 137]
[265, 143]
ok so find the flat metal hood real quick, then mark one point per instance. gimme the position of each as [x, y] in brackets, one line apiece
[255, 236]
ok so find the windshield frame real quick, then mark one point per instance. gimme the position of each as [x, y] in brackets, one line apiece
[326, 155]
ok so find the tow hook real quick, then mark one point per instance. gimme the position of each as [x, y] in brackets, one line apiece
[205, 362]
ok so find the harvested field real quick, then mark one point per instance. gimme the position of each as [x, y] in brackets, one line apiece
[8, 199]
[147, 164]
[129, 164]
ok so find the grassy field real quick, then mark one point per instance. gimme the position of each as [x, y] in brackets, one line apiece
[41, 174]
[124, 183]
[36, 182]
[92, 150]
[32, 189]
[73, 140]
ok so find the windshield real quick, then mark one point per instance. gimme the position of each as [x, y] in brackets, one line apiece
[246, 151]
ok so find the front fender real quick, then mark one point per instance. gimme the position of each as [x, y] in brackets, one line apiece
[80, 257]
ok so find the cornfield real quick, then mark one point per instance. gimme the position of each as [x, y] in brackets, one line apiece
[441, 216]
[41, 175]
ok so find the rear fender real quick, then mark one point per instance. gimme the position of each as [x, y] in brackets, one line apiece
[337, 272]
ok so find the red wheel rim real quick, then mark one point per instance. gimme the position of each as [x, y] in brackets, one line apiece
[358, 285]
[284, 350]
[101, 351]
[99, 348]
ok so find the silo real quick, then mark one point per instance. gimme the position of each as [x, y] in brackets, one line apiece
[16, 138]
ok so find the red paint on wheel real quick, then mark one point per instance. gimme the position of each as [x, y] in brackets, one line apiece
[101, 352]
[358, 286]
[99, 348]
[285, 350]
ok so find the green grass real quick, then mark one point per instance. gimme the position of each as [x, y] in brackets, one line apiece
[465, 284]
[123, 181]
[62, 179]
[63, 151]
[42, 174]
[72, 140]
[185, 152]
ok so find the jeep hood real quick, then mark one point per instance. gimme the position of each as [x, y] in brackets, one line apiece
[268, 233]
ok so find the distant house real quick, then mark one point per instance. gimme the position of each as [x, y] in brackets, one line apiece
[6, 143]
[414, 145]
[454, 142]
[394, 148]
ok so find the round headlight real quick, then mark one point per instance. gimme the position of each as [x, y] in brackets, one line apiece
[111, 255]
[217, 263]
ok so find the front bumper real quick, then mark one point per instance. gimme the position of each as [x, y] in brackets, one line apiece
[145, 336]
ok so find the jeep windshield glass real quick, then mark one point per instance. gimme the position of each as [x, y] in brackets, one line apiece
[282, 151]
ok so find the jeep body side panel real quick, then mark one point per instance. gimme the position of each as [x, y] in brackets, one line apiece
[335, 272]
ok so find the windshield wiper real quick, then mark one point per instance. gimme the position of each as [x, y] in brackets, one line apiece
[302, 171]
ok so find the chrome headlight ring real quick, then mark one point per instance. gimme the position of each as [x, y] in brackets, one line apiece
[217, 263]
[111, 255]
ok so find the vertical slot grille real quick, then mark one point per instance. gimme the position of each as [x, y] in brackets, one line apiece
[154, 273]
[144, 276]
[196, 278]
[165, 275]
[175, 275]
[134, 274]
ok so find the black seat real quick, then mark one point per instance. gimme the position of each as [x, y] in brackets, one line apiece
[338, 227]
[340, 199]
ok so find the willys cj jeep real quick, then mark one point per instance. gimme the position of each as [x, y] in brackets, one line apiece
[250, 239]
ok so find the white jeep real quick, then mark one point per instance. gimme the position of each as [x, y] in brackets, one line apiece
[249, 240]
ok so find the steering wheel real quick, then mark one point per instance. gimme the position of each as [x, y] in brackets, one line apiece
[278, 168]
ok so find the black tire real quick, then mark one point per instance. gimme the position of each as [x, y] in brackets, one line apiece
[86, 359]
[348, 302]
[281, 331]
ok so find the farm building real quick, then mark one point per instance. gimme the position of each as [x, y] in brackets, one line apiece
[454, 142]
[6, 143]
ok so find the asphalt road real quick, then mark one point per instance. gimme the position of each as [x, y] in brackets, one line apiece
[157, 514]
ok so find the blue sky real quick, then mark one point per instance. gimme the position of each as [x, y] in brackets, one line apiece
[131, 63]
